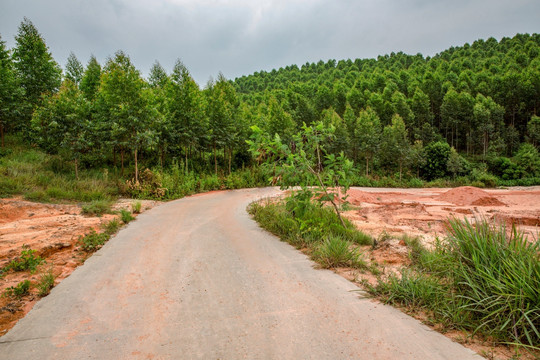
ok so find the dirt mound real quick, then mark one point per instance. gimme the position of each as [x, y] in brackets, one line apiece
[469, 195]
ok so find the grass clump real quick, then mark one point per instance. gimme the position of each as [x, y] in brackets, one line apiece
[45, 284]
[136, 207]
[335, 252]
[126, 216]
[483, 278]
[97, 208]
[26, 261]
[19, 290]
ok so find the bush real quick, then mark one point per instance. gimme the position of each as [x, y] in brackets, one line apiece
[436, 155]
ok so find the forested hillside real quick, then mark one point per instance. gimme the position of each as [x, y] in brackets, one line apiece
[466, 114]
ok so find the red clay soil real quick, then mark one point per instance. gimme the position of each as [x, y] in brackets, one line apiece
[52, 230]
[425, 212]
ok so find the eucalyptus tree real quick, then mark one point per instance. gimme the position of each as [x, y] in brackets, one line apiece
[367, 132]
[91, 79]
[36, 70]
[222, 110]
[124, 116]
[9, 90]
[185, 115]
[62, 123]
[395, 146]
[74, 69]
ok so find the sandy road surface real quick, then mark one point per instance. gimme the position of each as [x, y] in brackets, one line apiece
[197, 279]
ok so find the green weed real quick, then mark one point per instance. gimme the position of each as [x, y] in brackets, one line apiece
[19, 290]
[26, 261]
[93, 241]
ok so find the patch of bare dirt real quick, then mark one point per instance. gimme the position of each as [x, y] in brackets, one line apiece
[53, 231]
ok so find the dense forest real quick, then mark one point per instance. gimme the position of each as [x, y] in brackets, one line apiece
[468, 113]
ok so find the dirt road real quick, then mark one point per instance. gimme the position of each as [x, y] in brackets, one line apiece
[197, 279]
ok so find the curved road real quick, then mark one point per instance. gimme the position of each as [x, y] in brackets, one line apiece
[197, 279]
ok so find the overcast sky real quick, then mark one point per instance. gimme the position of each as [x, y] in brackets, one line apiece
[239, 37]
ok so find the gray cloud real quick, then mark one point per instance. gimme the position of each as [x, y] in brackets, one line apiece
[239, 37]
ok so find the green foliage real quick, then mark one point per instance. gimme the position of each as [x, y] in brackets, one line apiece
[306, 162]
[126, 216]
[483, 278]
[436, 155]
[45, 283]
[26, 261]
[97, 208]
[93, 241]
[19, 290]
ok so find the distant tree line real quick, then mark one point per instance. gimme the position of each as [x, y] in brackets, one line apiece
[398, 114]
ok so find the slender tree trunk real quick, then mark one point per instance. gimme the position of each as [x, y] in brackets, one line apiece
[2, 134]
[215, 158]
[230, 159]
[122, 161]
[77, 168]
[136, 167]
[187, 168]
[367, 166]
[161, 151]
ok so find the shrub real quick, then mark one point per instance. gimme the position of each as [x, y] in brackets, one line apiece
[436, 155]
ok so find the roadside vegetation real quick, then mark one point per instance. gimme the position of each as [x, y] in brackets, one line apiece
[482, 278]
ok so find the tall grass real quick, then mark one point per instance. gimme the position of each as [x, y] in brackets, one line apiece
[484, 278]
[314, 227]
